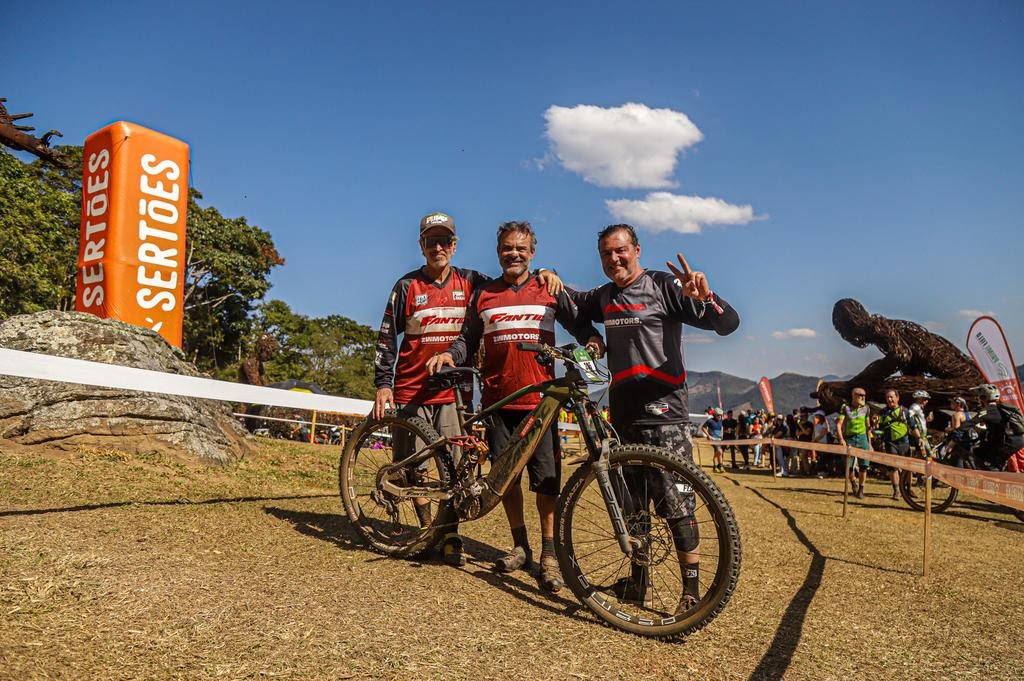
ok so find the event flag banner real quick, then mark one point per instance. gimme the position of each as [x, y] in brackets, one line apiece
[766, 394]
[987, 344]
[131, 250]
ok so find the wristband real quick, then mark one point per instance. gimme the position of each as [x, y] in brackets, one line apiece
[711, 301]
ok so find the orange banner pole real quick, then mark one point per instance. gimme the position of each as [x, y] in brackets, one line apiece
[131, 252]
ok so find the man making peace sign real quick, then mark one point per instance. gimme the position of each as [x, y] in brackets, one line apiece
[643, 312]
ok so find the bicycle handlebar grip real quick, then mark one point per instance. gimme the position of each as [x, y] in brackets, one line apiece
[530, 347]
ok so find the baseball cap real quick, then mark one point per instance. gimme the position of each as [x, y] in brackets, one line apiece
[437, 220]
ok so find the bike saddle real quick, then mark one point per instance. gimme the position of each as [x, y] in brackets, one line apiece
[449, 377]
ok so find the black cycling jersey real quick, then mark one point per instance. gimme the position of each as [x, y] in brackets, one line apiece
[644, 331]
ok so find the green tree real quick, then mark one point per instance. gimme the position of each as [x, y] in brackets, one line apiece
[334, 352]
[40, 209]
[227, 266]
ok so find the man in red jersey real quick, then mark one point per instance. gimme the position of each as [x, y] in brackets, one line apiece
[427, 306]
[518, 308]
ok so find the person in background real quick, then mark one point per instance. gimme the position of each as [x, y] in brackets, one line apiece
[804, 432]
[1003, 445]
[919, 423]
[852, 429]
[756, 431]
[894, 427]
[712, 430]
[742, 433]
[729, 433]
[820, 435]
[781, 431]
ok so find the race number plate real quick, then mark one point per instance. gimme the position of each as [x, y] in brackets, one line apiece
[587, 365]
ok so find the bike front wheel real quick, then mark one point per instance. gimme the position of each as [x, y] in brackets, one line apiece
[943, 495]
[404, 528]
[686, 555]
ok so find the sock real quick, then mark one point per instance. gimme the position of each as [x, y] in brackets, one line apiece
[519, 538]
[423, 514]
[691, 579]
[547, 546]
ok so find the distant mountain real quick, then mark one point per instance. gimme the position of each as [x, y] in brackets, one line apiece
[789, 391]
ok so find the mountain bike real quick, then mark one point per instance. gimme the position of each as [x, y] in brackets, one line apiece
[618, 551]
[956, 449]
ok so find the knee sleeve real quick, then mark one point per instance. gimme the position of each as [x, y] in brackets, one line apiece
[685, 533]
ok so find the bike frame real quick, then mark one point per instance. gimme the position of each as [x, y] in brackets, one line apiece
[510, 462]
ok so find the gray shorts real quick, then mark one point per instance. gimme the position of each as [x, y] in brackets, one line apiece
[647, 485]
[443, 417]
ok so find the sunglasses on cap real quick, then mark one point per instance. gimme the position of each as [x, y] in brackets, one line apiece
[442, 241]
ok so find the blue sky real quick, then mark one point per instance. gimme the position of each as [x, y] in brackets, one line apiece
[870, 150]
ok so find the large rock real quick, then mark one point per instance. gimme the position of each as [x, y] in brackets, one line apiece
[72, 416]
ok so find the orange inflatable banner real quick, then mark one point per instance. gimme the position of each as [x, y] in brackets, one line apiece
[131, 251]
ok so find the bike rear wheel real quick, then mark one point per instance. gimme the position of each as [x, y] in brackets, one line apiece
[943, 495]
[641, 594]
[401, 528]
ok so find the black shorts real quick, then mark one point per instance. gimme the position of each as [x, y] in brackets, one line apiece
[900, 447]
[544, 467]
[671, 500]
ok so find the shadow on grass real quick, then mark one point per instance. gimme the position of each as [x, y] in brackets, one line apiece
[336, 529]
[779, 656]
[169, 502]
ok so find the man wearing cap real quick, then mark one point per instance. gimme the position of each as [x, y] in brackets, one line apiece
[427, 306]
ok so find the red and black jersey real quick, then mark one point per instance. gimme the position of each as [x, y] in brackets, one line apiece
[502, 315]
[429, 316]
[643, 324]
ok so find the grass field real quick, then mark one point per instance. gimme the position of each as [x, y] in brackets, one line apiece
[116, 566]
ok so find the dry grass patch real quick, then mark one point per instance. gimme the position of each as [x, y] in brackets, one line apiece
[141, 566]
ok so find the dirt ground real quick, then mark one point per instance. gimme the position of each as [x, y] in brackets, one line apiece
[134, 566]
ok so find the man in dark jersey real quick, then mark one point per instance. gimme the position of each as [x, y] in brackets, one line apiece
[427, 306]
[643, 312]
[518, 309]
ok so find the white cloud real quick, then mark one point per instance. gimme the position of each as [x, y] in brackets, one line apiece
[628, 146]
[795, 333]
[974, 314]
[699, 338]
[933, 326]
[664, 211]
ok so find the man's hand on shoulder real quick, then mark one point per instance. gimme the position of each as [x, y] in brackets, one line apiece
[385, 398]
[435, 363]
[551, 280]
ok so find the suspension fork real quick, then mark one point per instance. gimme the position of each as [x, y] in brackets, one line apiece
[604, 483]
[593, 431]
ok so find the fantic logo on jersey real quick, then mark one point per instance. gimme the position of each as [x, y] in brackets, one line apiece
[440, 321]
[624, 307]
[518, 317]
[435, 320]
[504, 317]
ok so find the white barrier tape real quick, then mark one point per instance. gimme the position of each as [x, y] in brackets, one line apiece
[65, 370]
[1003, 488]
